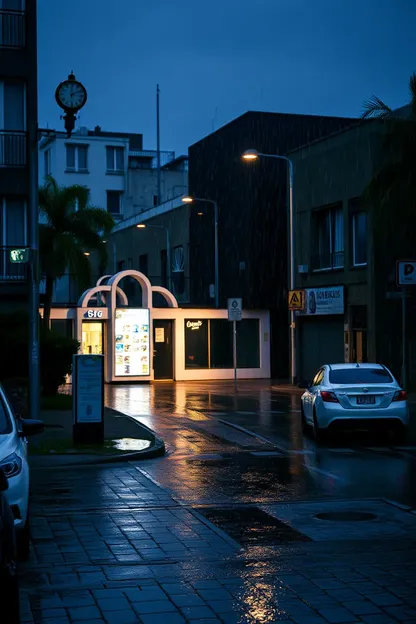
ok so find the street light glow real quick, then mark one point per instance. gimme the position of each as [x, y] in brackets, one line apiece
[141, 225]
[187, 199]
[86, 253]
[250, 154]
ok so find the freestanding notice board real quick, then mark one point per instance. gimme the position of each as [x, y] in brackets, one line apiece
[88, 399]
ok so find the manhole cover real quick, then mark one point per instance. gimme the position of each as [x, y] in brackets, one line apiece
[252, 526]
[346, 516]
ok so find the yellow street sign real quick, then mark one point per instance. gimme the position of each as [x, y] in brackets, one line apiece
[296, 299]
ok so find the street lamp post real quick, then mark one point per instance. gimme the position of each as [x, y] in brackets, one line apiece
[187, 199]
[255, 155]
[142, 226]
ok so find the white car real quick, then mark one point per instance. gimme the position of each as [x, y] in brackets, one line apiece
[354, 396]
[13, 461]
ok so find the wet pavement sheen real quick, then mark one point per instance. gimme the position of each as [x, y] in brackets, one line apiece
[225, 528]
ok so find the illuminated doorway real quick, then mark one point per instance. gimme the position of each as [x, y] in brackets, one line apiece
[92, 337]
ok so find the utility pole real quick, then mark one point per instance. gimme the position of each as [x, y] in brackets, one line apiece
[159, 185]
[33, 236]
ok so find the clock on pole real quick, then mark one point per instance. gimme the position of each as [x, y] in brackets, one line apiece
[71, 96]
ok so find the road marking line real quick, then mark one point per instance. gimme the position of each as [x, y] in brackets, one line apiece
[325, 473]
[254, 435]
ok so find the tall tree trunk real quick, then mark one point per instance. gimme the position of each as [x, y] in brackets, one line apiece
[48, 300]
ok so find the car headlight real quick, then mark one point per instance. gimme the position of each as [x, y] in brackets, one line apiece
[11, 466]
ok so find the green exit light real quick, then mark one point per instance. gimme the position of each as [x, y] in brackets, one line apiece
[19, 256]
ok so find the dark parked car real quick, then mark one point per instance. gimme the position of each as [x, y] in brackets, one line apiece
[9, 584]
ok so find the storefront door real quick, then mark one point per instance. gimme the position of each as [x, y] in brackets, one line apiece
[92, 337]
[162, 349]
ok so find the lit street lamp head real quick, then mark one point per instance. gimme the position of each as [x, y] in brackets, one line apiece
[141, 225]
[250, 154]
[86, 253]
[187, 199]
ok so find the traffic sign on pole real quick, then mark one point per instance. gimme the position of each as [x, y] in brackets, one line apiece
[296, 299]
[406, 273]
[235, 309]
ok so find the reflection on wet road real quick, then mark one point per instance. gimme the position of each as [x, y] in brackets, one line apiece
[248, 446]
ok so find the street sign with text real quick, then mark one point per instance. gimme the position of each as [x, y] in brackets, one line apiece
[235, 309]
[406, 273]
[296, 299]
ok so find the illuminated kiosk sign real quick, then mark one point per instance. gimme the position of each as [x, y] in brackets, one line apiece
[132, 342]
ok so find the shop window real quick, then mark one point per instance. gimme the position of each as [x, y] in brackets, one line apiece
[196, 343]
[248, 344]
[328, 232]
[221, 344]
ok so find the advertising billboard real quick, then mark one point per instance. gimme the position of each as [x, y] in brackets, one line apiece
[132, 342]
[320, 301]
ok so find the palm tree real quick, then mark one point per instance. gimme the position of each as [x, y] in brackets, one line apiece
[69, 227]
[392, 190]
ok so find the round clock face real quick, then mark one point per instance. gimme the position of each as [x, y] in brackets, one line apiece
[71, 95]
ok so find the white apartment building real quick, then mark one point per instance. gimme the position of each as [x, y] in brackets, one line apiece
[121, 176]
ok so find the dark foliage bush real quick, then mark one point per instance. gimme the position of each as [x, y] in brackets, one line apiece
[56, 353]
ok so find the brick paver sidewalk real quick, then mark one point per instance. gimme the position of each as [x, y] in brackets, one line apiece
[111, 546]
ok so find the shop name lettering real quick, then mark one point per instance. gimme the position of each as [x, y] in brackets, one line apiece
[328, 294]
[95, 314]
[193, 324]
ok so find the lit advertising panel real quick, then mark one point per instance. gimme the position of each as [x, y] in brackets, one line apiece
[132, 342]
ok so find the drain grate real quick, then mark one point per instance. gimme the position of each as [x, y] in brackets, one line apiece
[346, 516]
[251, 526]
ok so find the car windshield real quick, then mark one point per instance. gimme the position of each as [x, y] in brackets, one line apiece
[5, 424]
[359, 375]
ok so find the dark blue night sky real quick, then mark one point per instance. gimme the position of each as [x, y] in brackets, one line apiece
[216, 59]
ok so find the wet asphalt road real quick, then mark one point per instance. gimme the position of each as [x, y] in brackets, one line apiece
[248, 447]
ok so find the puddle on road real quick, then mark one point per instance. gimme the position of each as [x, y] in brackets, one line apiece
[251, 526]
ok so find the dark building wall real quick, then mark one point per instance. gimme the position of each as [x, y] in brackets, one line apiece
[18, 63]
[252, 199]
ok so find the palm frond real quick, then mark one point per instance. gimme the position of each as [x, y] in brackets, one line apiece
[96, 219]
[374, 107]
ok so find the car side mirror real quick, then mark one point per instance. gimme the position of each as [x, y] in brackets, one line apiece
[4, 484]
[30, 427]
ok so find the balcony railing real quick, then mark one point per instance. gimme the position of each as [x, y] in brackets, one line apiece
[328, 261]
[11, 271]
[12, 29]
[12, 148]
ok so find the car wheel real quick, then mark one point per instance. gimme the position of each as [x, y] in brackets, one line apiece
[23, 541]
[318, 433]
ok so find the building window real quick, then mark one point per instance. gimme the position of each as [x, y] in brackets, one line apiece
[155, 200]
[328, 249]
[221, 343]
[47, 161]
[359, 238]
[178, 270]
[115, 159]
[12, 23]
[248, 346]
[164, 268]
[77, 158]
[120, 265]
[114, 202]
[209, 343]
[196, 343]
[13, 220]
[144, 264]
[12, 124]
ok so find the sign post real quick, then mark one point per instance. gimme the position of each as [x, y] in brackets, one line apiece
[405, 276]
[235, 313]
[88, 399]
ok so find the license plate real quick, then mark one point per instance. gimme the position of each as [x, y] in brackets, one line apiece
[366, 400]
